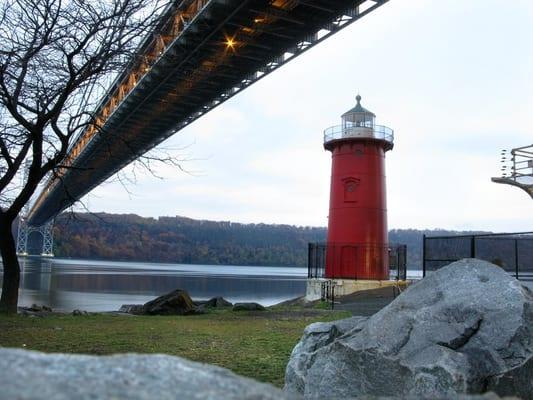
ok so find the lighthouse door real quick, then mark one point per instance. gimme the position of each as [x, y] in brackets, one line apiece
[348, 262]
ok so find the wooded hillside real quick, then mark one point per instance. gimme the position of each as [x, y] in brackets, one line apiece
[184, 240]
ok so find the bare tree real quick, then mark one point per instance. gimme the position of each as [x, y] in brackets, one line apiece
[51, 52]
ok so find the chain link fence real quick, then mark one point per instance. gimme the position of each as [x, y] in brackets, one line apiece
[511, 251]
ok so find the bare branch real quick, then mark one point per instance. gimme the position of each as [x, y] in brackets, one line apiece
[52, 54]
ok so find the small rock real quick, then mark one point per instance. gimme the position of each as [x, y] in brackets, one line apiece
[79, 312]
[215, 302]
[136, 309]
[248, 307]
[35, 308]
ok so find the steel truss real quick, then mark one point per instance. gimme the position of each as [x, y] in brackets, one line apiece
[46, 231]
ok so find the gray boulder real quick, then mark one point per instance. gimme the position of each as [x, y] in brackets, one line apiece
[248, 307]
[135, 309]
[35, 310]
[467, 328]
[177, 302]
[315, 337]
[215, 302]
[78, 313]
[485, 396]
[30, 375]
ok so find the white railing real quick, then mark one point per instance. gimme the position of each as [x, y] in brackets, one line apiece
[374, 132]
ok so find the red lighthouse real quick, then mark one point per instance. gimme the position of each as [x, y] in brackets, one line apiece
[357, 243]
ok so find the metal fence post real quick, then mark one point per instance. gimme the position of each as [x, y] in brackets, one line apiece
[423, 256]
[404, 263]
[309, 260]
[314, 267]
[516, 257]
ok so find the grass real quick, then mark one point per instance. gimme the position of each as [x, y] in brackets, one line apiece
[257, 345]
[323, 305]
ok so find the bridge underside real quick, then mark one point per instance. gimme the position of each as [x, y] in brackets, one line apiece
[227, 46]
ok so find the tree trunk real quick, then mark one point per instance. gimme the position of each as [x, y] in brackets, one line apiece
[11, 279]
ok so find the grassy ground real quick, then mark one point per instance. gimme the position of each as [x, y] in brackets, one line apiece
[256, 344]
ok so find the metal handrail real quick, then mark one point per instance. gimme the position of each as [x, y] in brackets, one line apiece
[379, 132]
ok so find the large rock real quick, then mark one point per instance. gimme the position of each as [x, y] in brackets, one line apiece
[467, 328]
[30, 375]
[177, 302]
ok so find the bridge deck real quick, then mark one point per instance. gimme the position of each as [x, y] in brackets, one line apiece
[203, 53]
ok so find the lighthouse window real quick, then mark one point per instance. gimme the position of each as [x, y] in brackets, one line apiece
[350, 190]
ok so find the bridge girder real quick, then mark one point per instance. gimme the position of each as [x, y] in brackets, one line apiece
[226, 46]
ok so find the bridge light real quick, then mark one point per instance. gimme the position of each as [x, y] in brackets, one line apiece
[230, 43]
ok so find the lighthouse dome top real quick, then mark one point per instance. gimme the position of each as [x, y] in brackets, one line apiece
[358, 115]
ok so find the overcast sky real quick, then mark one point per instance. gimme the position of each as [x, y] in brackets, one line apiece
[452, 78]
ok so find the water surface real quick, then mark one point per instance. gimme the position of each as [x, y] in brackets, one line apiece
[66, 284]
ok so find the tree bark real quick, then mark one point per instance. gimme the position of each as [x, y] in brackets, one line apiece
[11, 278]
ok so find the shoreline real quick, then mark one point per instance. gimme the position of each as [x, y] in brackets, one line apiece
[363, 303]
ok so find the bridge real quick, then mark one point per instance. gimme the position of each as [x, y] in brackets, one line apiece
[201, 53]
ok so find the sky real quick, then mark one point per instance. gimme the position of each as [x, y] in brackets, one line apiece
[452, 78]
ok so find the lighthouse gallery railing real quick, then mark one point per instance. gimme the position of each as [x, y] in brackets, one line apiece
[379, 132]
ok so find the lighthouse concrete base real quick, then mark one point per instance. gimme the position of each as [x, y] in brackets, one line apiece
[343, 287]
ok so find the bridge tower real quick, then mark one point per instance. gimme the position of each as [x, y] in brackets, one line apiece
[24, 230]
[357, 242]
[46, 232]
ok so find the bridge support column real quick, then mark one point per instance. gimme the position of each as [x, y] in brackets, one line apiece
[46, 231]
[22, 237]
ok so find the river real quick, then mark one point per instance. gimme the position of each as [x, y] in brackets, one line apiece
[66, 284]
